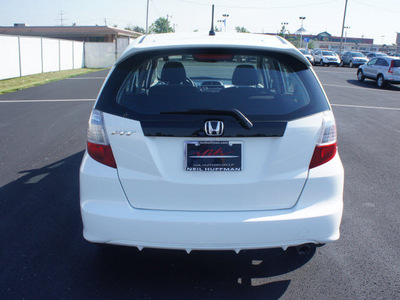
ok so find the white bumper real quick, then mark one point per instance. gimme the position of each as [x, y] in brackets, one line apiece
[109, 218]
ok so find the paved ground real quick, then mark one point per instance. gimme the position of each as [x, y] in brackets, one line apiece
[43, 254]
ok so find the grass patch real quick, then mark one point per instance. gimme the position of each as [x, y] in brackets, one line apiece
[20, 83]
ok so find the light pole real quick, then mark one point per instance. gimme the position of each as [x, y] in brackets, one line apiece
[345, 35]
[341, 37]
[284, 28]
[301, 30]
[220, 26]
[225, 17]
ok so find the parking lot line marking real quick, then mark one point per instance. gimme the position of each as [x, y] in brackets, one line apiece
[347, 86]
[50, 100]
[370, 89]
[75, 78]
[370, 107]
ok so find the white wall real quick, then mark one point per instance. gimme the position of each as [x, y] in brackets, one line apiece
[103, 55]
[31, 55]
[78, 55]
[51, 55]
[21, 56]
[66, 52]
[99, 55]
[9, 57]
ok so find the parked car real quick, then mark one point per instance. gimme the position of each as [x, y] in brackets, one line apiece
[372, 55]
[383, 69]
[190, 147]
[326, 57]
[308, 55]
[353, 59]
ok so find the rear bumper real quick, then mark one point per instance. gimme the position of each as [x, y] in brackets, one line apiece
[108, 217]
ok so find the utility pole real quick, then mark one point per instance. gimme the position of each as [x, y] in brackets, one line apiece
[105, 22]
[284, 28]
[301, 30]
[147, 18]
[341, 37]
[61, 17]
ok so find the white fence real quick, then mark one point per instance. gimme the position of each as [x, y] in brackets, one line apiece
[103, 55]
[21, 56]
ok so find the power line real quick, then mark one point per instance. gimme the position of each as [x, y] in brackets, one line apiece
[266, 8]
[377, 7]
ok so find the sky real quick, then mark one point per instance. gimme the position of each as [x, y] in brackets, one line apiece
[379, 20]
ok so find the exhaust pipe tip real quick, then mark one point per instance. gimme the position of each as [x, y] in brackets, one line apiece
[305, 249]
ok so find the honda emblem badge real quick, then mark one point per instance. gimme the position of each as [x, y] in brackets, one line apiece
[214, 128]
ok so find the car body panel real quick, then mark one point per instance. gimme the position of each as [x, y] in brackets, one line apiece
[112, 220]
[272, 176]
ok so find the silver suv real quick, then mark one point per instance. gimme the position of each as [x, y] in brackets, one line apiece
[384, 70]
[353, 59]
[326, 57]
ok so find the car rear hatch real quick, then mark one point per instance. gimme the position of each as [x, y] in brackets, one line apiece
[245, 144]
[154, 174]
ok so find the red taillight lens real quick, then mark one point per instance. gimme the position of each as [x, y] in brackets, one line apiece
[391, 67]
[98, 146]
[326, 146]
[101, 153]
[323, 154]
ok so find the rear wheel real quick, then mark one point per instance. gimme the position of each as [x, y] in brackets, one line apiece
[380, 81]
[351, 65]
[360, 76]
[321, 63]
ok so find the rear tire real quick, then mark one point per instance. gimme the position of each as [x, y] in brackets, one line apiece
[380, 81]
[321, 63]
[360, 76]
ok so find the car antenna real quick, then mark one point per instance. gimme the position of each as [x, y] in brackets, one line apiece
[212, 32]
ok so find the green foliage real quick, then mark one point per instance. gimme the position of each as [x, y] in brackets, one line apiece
[161, 25]
[135, 28]
[241, 29]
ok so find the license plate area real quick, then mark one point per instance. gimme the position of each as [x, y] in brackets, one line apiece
[213, 156]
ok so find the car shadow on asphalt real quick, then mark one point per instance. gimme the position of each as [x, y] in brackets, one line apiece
[46, 257]
[371, 84]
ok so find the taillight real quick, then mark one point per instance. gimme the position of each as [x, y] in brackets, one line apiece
[98, 146]
[326, 146]
[391, 67]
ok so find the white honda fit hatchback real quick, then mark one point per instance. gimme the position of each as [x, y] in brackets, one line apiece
[224, 142]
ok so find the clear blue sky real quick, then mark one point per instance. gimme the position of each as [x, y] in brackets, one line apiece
[369, 18]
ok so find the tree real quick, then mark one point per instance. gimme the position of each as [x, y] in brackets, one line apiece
[161, 25]
[135, 28]
[241, 29]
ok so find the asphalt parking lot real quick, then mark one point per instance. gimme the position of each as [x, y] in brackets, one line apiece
[44, 256]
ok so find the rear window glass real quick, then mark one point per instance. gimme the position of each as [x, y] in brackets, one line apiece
[261, 86]
[396, 63]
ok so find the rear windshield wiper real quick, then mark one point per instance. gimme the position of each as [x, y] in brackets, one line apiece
[246, 123]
